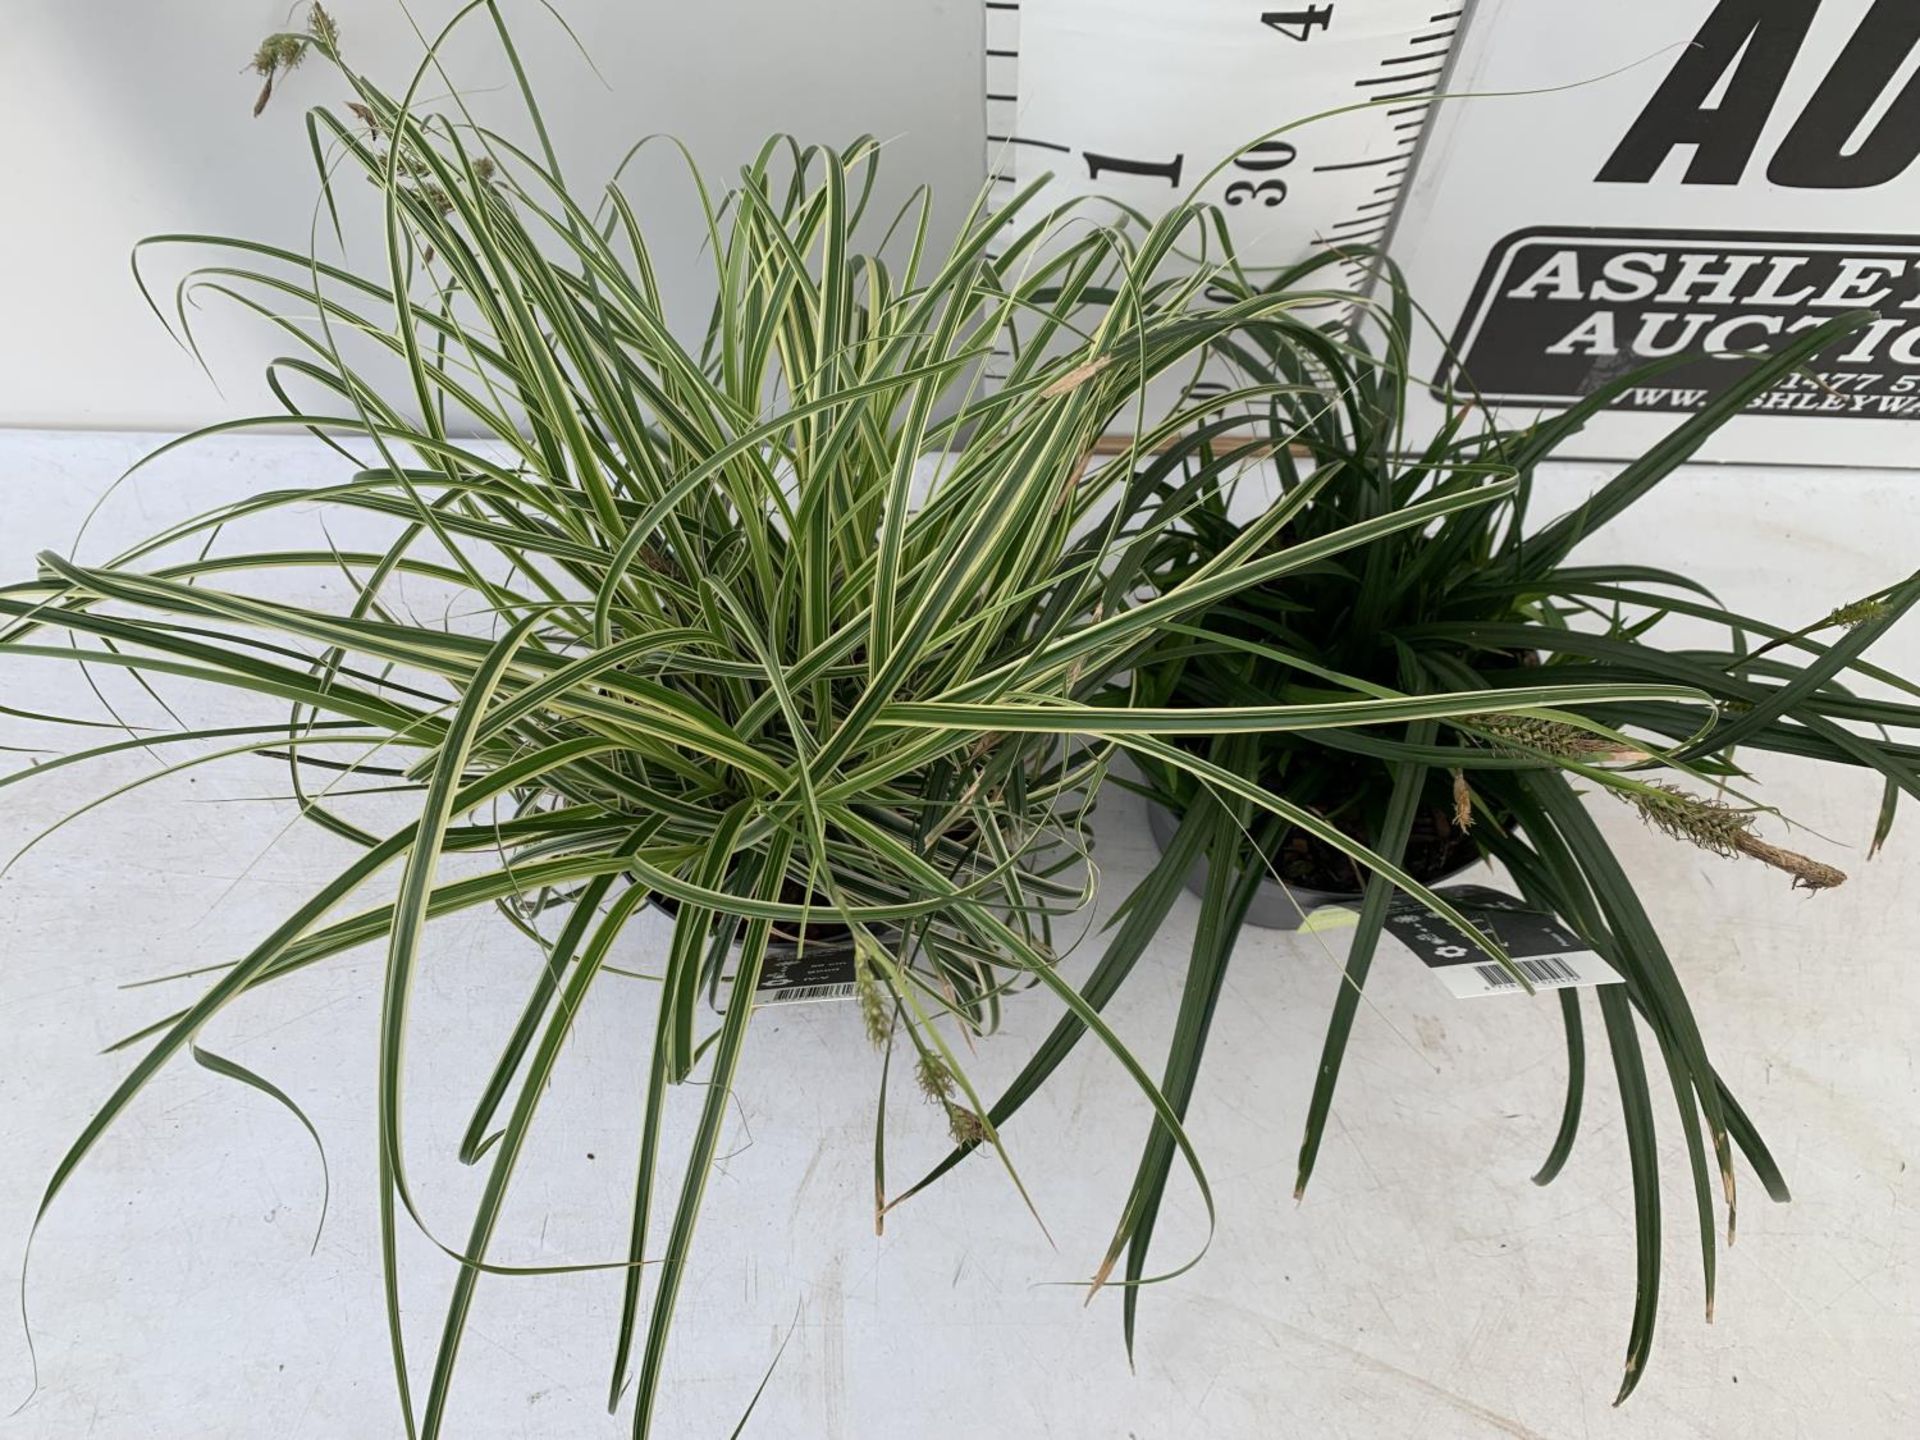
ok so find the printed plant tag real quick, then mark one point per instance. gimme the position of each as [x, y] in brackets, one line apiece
[1543, 949]
[820, 972]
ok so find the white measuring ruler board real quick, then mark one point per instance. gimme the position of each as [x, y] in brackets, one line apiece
[1137, 100]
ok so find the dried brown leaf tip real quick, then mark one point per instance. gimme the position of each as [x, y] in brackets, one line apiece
[1076, 377]
[1462, 801]
[1724, 830]
[365, 116]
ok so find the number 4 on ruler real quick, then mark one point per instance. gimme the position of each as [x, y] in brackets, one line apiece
[1299, 24]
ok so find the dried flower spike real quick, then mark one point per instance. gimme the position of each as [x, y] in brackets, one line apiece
[324, 28]
[1855, 614]
[279, 52]
[966, 1127]
[936, 1080]
[1724, 831]
[1551, 737]
[282, 52]
[874, 1011]
[276, 53]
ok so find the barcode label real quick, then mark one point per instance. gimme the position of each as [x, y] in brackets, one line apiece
[797, 994]
[1550, 970]
[1542, 949]
[1543, 972]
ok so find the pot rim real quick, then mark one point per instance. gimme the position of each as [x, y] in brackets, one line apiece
[1276, 905]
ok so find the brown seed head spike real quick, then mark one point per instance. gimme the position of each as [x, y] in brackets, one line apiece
[1725, 831]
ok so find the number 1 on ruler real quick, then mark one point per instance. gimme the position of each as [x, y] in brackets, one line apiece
[1167, 170]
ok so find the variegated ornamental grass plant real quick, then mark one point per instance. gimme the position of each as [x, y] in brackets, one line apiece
[794, 625]
[1489, 600]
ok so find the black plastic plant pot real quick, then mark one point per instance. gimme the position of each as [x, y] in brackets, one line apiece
[1276, 905]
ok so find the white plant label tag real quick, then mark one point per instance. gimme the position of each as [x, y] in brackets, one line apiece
[823, 972]
[1541, 947]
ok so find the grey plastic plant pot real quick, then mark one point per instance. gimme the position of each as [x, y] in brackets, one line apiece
[1276, 906]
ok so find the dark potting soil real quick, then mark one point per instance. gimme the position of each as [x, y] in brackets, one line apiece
[1436, 847]
[817, 934]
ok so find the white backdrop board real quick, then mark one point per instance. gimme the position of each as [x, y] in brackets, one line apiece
[1138, 101]
[1750, 176]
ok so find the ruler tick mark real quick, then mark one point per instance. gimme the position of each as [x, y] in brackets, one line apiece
[1398, 80]
[1023, 140]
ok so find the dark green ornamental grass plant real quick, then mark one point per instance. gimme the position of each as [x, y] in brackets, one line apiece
[795, 628]
[1487, 600]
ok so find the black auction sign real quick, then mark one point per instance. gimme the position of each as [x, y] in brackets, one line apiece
[1686, 183]
[1557, 314]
